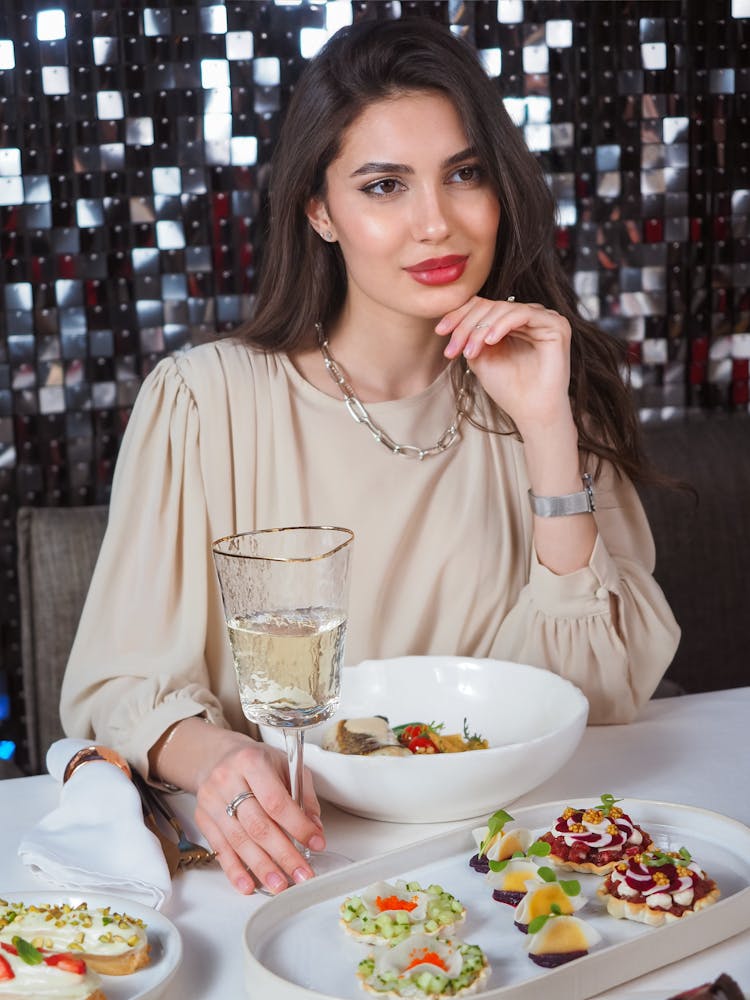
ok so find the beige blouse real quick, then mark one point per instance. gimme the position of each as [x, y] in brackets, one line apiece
[225, 438]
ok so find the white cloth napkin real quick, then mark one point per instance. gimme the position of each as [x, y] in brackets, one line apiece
[96, 838]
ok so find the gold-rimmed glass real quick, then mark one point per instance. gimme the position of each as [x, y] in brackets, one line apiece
[285, 594]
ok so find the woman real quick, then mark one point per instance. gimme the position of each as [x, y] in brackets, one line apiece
[410, 266]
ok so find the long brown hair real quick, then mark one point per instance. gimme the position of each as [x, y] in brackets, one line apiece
[303, 279]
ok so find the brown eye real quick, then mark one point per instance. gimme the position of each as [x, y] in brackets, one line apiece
[383, 188]
[467, 175]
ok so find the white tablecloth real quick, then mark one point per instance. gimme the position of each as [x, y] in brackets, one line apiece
[694, 749]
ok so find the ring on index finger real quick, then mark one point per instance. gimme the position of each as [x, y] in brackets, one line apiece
[234, 805]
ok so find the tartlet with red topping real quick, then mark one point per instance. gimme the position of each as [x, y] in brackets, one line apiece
[595, 839]
[656, 888]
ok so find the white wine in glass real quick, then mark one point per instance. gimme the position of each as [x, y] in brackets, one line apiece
[285, 593]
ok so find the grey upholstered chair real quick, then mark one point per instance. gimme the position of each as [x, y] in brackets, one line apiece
[57, 549]
[703, 550]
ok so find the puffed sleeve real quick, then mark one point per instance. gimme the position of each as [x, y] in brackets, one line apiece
[607, 627]
[138, 660]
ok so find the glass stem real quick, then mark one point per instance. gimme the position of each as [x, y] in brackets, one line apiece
[295, 745]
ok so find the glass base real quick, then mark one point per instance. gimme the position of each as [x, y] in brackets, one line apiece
[321, 862]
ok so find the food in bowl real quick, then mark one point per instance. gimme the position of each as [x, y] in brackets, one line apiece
[657, 887]
[541, 723]
[595, 839]
[368, 737]
[554, 939]
[108, 942]
[373, 736]
[386, 912]
[424, 966]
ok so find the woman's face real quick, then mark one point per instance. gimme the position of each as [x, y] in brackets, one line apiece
[411, 209]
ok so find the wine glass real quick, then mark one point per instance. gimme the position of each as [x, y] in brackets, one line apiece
[285, 593]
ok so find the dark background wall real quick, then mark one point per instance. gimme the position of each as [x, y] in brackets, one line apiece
[134, 143]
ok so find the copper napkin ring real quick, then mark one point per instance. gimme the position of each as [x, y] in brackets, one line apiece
[88, 754]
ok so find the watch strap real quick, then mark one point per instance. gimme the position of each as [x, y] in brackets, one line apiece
[568, 503]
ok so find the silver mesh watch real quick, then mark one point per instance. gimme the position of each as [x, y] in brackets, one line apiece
[569, 503]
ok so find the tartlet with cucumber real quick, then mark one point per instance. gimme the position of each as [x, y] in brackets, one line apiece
[388, 912]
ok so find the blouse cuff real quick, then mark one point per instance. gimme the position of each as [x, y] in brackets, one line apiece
[154, 725]
[584, 592]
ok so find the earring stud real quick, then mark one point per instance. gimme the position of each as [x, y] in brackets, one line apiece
[328, 235]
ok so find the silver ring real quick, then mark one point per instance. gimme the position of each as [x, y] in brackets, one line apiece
[481, 326]
[235, 803]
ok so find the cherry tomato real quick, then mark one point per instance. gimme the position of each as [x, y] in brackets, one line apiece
[422, 744]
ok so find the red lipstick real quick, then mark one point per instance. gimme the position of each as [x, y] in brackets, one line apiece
[438, 270]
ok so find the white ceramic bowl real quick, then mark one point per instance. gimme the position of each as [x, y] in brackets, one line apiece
[532, 718]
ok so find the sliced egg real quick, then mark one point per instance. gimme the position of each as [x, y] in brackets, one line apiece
[514, 876]
[504, 843]
[420, 953]
[539, 899]
[393, 898]
[561, 935]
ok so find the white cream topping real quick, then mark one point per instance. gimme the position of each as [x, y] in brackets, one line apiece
[659, 901]
[684, 898]
[73, 929]
[45, 982]
[624, 890]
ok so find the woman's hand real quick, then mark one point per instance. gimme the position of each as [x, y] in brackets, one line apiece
[520, 352]
[253, 846]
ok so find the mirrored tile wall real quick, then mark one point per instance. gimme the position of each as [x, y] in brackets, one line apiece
[134, 147]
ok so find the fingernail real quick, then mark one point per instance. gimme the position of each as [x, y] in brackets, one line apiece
[245, 885]
[469, 351]
[316, 843]
[317, 821]
[275, 882]
[301, 875]
[450, 350]
[442, 327]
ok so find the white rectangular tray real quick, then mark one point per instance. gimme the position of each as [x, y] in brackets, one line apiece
[296, 950]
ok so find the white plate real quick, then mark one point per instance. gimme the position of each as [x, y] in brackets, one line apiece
[295, 949]
[163, 938]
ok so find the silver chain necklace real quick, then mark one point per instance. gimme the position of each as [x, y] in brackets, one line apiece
[359, 412]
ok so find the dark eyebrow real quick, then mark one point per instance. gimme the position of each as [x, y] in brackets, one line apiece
[374, 167]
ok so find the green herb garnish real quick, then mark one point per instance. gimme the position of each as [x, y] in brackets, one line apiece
[494, 825]
[27, 952]
[471, 737]
[107, 920]
[539, 849]
[571, 887]
[607, 802]
[547, 874]
[657, 859]
[538, 922]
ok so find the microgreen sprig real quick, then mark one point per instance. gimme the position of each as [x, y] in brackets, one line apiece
[571, 887]
[494, 825]
[539, 849]
[538, 922]
[657, 859]
[608, 801]
[471, 737]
